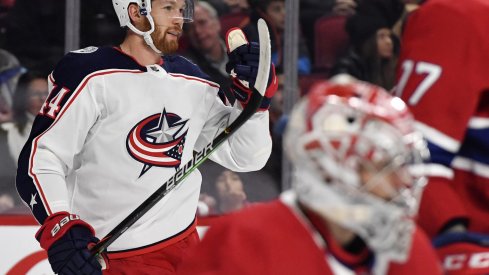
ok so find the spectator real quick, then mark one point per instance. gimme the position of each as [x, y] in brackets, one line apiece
[207, 49]
[273, 11]
[344, 7]
[374, 48]
[229, 6]
[237, 5]
[29, 97]
[312, 10]
[353, 200]
[35, 30]
[230, 193]
[7, 202]
[10, 71]
[227, 194]
[260, 186]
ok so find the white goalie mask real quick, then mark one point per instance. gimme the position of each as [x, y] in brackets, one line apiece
[177, 9]
[357, 159]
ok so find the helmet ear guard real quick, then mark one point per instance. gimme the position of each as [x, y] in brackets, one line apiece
[120, 7]
[145, 7]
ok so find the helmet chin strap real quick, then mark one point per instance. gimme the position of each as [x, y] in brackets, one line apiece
[146, 35]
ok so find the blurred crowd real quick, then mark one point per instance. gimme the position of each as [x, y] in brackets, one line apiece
[361, 38]
[357, 37]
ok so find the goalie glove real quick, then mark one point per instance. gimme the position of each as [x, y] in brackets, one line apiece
[67, 240]
[463, 253]
[243, 68]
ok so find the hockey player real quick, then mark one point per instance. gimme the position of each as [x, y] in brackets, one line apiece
[117, 123]
[443, 78]
[354, 194]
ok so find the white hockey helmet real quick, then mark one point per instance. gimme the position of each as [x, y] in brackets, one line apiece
[356, 154]
[120, 6]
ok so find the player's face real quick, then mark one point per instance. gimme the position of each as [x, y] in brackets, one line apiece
[276, 13]
[385, 47]
[204, 32]
[168, 18]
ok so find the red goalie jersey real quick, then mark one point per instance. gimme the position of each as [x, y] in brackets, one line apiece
[443, 77]
[276, 239]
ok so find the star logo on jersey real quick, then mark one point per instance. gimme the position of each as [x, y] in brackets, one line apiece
[33, 200]
[158, 140]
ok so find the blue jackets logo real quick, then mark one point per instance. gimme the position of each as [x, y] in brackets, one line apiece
[158, 140]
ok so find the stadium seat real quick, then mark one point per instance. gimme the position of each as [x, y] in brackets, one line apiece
[307, 81]
[5, 6]
[231, 20]
[331, 41]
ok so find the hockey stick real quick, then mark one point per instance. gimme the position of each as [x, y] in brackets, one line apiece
[182, 172]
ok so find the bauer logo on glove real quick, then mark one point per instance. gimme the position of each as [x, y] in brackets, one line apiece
[57, 227]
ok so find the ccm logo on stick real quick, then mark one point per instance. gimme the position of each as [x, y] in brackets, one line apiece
[63, 222]
[472, 261]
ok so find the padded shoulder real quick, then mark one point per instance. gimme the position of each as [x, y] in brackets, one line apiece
[180, 65]
[76, 65]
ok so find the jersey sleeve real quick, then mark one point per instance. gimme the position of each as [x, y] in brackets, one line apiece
[246, 150]
[59, 131]
[439, 78]
[434, 77]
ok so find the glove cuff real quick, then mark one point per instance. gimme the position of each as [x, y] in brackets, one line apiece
[56, 225]
[243, 93]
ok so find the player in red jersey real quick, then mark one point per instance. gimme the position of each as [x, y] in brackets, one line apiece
[443, 78]
[354, 194]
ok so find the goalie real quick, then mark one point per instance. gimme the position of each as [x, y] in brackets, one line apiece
[353, 200]
[117, 123]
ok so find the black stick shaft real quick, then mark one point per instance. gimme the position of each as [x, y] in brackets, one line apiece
[180, 175]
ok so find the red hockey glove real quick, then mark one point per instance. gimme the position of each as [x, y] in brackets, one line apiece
[67, 238]
[243, 68]
[463, 253]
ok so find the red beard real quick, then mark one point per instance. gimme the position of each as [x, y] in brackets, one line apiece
[166, 47]
[160, 42]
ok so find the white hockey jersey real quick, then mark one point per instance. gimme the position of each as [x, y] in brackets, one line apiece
[112, 131]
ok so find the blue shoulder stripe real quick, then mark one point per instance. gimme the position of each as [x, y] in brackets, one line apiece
[439, 155]
[476, 145]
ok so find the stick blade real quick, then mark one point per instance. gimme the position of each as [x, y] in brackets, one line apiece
[265, 57]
